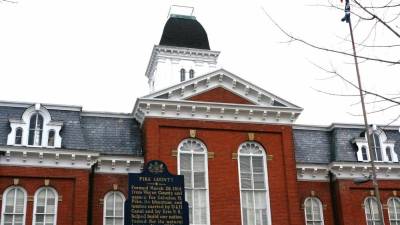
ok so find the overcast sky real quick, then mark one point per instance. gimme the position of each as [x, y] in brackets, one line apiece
[94, 53]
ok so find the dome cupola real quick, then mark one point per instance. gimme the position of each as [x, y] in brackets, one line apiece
[184, 31]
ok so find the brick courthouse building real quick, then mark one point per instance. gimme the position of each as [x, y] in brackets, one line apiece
[243, 158]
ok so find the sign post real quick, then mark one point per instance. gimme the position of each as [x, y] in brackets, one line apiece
[156, 197]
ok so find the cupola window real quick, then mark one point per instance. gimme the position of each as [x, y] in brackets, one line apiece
[183, 74]
[191, 73]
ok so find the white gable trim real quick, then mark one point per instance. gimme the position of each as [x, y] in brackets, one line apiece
[175, 109]
[220, 78]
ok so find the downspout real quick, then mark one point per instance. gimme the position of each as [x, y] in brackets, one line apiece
[90, 194]
[333, 199]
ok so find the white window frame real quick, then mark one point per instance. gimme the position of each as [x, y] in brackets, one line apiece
[3, 208]
[313, 221]
[107, 195]
[374, 220]
[396, 220]
[265, 181]
[24, 123]
[384, 144]
[45, 206]
[205, 153]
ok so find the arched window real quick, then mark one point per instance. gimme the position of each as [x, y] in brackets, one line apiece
[45, 206]
[192, 163]
[394, 210]
[371, 211]
[313, 211]
[50, 142]
[191, 73]
[113, 208]
[14, 206]
[18, 136]
[253, 184]
[35, 130]
[377, 147]
[183, 72]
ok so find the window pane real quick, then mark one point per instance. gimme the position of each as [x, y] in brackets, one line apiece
[244, 164]
[199, 180]
[185, 163]
[188, 178]
[198, 162]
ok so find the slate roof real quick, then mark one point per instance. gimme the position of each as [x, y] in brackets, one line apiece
[112, 135]
[322, 145]
[103, 134]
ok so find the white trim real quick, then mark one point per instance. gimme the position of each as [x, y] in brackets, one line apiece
[48, 106]
[164, 108]
[312, 210]
[107, 195]
[42, 157]
[338, 125]
[4, 203]
[346, 170]
[265, 181]
[106, 114]
[205, 153]
[225, 79]
[172, 50]
[55, 205]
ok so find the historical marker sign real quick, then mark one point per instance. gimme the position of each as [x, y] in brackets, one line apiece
[156, 197]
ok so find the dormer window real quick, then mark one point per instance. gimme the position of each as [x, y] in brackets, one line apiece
[35, 129]
[383, 149]
[51, 138]
[183, 72]
[18, 136]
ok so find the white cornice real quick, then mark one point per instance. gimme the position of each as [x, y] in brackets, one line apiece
[106, 114]
[189, 53]
[339, 125]
[47, 106]
[172, 102]
[164, 108]
[346, 170]
[73, 159]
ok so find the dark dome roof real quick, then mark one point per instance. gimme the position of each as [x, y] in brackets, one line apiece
[184, 31]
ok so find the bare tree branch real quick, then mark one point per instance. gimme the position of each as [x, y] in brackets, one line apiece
[355, 86]
[378, 18]
[326, 49]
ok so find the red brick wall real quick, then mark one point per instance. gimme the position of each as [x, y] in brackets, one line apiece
[352, 197]
[162, 136]
[71, 185]
[103, 183]
[220, 95]
[321, 190]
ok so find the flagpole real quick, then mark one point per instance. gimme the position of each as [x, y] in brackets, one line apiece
[367, 130]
